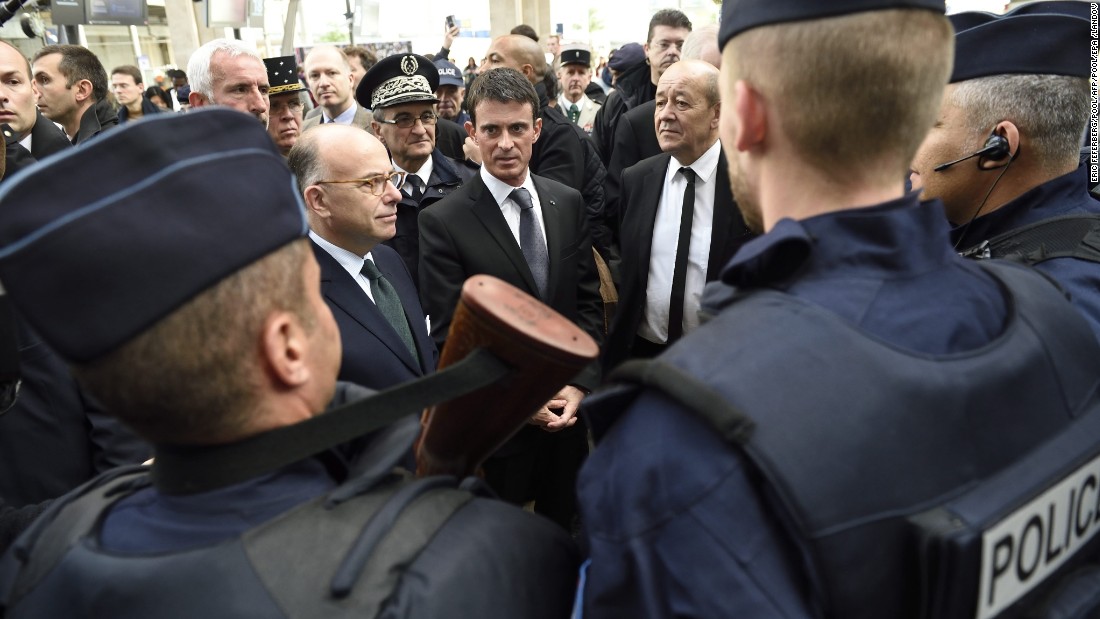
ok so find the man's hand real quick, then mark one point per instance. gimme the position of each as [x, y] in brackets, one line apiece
[449, 36]
[565, 402]
[473, 153]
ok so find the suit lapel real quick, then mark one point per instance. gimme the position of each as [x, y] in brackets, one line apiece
[650, 194]
[338, 287]
[552, 221]
[485, 208]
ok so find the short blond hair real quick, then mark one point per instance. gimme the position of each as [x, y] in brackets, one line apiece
[856, 94]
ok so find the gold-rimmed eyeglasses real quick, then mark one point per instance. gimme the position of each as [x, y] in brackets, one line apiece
[405, 121]
[377, 184]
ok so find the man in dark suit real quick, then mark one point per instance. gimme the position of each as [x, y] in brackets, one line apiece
[662, 281]
[531, 232]
[54, 437]
[347, 181]
[634, 137]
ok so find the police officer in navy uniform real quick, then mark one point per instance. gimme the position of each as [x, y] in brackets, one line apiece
[854, 369]
[400, 90]
[192, 309]
[1005, 152]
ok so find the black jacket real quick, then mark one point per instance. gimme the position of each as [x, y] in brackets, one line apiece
[47, 139]
[634, 87]
[147, 108]
[97, 119]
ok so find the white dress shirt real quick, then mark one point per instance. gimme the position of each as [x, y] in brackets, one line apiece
[666, 232]
[344, 118]
[424, 173]
[509, 207]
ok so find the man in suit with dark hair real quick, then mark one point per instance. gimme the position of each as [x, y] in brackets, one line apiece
[531, 232]
[348, 183]
[662, 279]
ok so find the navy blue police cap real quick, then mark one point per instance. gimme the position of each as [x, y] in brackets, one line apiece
[627, 56]
[1024, 44]
[449, 73]
[968, 19]
[741, 15]
[282, 75]
[100, 243]
[397, 79]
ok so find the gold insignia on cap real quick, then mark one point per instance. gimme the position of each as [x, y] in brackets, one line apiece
[409, 65]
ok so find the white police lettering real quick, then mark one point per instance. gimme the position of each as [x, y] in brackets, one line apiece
[1020, 551]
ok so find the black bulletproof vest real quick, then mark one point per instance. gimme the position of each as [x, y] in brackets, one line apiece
[348, 555]
[852, 435]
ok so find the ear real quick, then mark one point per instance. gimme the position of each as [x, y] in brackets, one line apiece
[376, 127]
[314, 198]
[470, 130]
[528, 72]
[1009, 131]
[196, 99]
[717, 116]
[538, 130]
[84, 90]
[751, 115]
[284, 344]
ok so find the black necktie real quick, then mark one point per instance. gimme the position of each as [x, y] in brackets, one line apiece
[679, 271]
[531, 241]
[385, 297]
[574, 113]
[415, 190]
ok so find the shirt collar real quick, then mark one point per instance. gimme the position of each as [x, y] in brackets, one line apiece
[1063, 195]
[563, 103]
[501, 190]
[902, 236]
[352, 262]
[425, 171]
[705, 166]
[345, 117]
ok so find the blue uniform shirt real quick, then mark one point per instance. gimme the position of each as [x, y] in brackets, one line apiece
[1066, 195]
[676, 521]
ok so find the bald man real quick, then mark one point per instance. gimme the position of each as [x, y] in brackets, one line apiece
[332, 84]
[663, 272]
[348, 222]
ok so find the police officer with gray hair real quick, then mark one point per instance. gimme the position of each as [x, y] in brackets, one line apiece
[876, 426]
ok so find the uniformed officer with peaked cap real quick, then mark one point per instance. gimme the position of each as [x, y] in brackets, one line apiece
[401, 91]
[856, 377]
[179, 286]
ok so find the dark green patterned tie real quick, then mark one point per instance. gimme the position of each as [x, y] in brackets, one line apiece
[574, 113]
[385, 297]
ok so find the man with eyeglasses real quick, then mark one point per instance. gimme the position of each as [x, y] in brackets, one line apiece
[400, 90]
[668, 28]
[350, 190]
[285, 124]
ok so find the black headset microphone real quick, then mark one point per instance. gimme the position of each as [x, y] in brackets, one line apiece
[996, 149]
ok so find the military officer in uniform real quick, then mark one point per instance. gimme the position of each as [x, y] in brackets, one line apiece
[854, 370]
[400, 89]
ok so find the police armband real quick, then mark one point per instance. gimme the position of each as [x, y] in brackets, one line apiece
[1003, 546]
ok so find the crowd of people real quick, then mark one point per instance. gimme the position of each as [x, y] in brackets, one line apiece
[840, 261]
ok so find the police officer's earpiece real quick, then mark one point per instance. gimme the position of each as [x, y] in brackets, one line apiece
[996, 149]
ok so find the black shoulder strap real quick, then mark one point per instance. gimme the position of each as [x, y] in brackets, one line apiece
[189, 469]
[1071, 236]
[690, 392]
